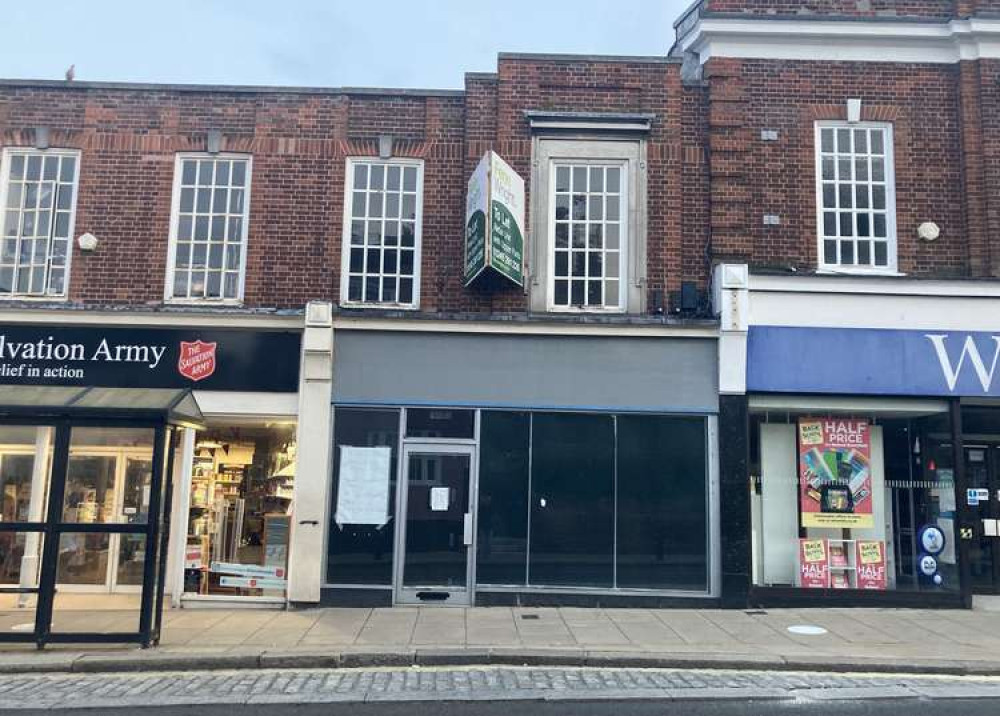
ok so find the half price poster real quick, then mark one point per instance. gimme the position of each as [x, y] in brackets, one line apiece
[814, 566]
[871, 564]
[835, 473]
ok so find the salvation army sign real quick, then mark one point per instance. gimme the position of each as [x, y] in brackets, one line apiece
[873, 361]
[197, 360]
[149, 358]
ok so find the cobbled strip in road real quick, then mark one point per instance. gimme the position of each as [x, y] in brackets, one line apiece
[79, 691]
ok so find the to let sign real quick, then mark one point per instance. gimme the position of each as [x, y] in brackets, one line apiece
[494, 222]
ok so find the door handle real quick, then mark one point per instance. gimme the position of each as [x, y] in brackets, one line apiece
[467, 529]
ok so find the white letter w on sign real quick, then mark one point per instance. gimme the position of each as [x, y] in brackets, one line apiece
[969, 349]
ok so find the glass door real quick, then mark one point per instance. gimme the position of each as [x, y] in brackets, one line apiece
[105, 486]
[436, 537]
[981, 467]
[91, 484]
[133, 508]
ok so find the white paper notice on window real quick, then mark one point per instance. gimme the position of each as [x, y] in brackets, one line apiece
[439, 499]
[363, 497]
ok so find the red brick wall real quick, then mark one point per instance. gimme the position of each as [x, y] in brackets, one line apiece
[299, 142]
[648, 87]
[752, 177]
[981, 85]
[710, 177]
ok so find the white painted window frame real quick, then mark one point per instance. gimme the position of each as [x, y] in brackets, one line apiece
[892, 243]
[624, 235]
[175, 203]
[5, 159]
[345, 236]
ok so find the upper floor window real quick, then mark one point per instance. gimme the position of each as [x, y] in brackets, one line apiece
[587, 205]
[856, 196]
[586, 227]
[38, 207]
[208, 228]
[381, 247]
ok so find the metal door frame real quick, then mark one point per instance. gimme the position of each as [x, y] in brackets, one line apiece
[404, 595]
[51, 528]
[991, 454]
[114, 561]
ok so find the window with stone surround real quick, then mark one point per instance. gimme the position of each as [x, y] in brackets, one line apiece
[589, 207]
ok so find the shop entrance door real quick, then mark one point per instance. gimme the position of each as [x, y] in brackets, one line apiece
[109, 486]
[435, 539]
[982, 470]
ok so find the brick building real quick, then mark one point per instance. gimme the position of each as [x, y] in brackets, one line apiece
[853, 165]
[698, 230]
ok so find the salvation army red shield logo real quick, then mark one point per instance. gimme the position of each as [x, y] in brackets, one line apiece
[197, 360]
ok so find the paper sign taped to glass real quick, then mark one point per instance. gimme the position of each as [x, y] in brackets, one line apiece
[253, 583]
[248, 570]
[835, 473]
[363, 493]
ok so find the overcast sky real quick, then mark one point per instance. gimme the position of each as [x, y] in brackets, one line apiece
[381, 43]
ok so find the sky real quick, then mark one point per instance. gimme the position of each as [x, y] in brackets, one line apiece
[317, 43]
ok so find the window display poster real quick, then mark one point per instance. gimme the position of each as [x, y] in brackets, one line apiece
[363, 495]
[835, 473]
[814, 566]
[871, 564]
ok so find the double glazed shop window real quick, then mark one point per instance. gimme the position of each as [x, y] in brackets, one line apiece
[565, 500]
[37, 205]
[382, 233]
[209, 228]
[853, 501]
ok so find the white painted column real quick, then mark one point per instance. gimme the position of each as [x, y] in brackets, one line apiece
[731, 303]
[179, 515]
[36, 511]
[312, 471]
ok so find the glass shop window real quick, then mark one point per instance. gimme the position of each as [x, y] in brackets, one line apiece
[440, 423]
[853, 501]
[25, 460]
[590, 500]
[240, 511]
[502, 545]
[360, 544]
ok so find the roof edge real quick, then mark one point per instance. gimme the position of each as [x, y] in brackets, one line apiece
[239, 89]
[559, 57]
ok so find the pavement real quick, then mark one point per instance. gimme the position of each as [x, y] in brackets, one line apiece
[636, 707]
[852, 640]
[415, 686]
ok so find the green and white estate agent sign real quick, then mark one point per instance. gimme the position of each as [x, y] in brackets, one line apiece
[494, 217]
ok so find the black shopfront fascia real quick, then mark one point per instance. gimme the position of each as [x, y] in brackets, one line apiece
[738, 590]
[125, 357]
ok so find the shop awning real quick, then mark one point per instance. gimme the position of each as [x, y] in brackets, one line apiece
[175, 406]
